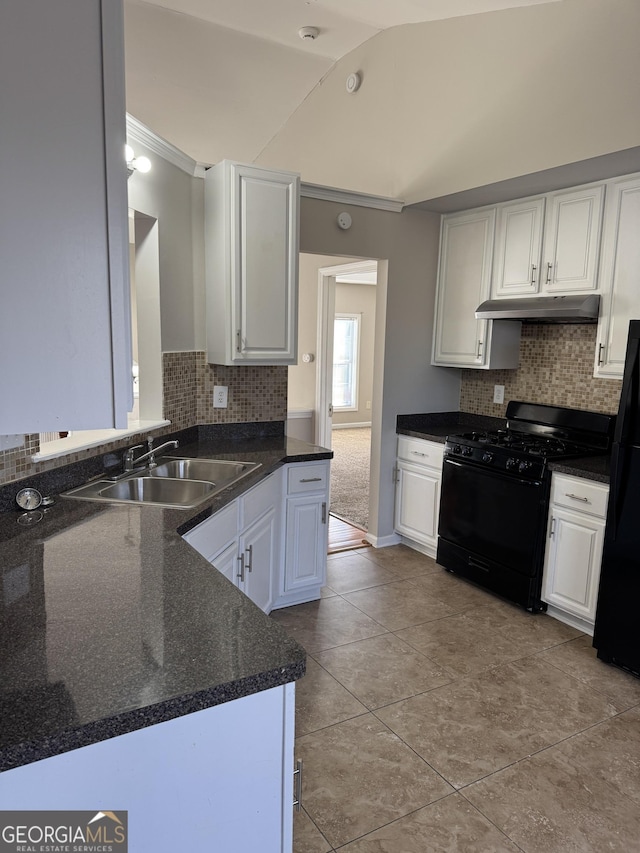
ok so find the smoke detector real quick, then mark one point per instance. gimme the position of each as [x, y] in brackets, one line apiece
[353, 82]
[308, 33]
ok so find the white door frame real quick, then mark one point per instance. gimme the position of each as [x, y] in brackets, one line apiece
[326, 311]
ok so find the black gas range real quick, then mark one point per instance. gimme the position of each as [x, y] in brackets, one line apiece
[495, 495]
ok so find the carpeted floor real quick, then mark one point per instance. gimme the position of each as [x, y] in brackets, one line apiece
[350, 474]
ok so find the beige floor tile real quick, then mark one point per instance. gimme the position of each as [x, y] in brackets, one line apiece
[454, 591]
[547, 805]
[352, 571]
[538, 630]
[450, 825]
[465, 643]
[327, 592]
[403, 561]
[399, 605]
[610, 752]
[326, 623]
[382, 670]
[358, 776]
[321, 701]
[307, 838]
[476, 726]
[578, 658]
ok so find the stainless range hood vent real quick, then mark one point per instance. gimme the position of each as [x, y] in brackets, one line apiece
[542, 309]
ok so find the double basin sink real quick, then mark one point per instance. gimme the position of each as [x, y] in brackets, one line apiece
[175, 482]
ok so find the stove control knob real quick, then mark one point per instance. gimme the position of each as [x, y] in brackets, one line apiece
[524, 466]
[512, 464]
[467, 451]
[487, 457]
[456, 448]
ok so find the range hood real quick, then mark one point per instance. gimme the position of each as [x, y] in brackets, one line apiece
[542, 309]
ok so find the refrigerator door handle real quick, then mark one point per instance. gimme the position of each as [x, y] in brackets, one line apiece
[625, 424]
[617, 488]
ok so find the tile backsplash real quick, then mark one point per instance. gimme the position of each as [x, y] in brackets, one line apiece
[256, 394]
[556, 367]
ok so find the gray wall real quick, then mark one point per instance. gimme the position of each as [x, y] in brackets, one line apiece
[404, 381]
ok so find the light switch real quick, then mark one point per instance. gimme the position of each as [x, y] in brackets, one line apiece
[498, 393]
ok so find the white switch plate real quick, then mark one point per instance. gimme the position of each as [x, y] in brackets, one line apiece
[220, 396]
[498, 393]
[8, 442]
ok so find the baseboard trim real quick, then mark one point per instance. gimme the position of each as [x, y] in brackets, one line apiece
[351, 426]
[383, 541]
[429, 550]
[570, 619]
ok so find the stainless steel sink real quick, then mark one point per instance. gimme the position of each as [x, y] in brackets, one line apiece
[174, 483]
[218, 471]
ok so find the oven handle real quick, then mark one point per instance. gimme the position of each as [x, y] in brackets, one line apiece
[492, 473]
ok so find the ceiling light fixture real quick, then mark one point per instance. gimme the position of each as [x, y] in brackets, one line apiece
[309, 33]
[139, 164]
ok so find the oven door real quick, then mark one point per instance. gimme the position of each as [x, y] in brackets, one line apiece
[497, 518]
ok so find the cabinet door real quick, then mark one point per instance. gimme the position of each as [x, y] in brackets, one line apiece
[227, 562]
[417, 503]
[619, 276]
[257, 550]
[518, 248]
[65, 328]
[572, 240]
[306, 545]
[464, 277]
[572, 565]
[266, 265]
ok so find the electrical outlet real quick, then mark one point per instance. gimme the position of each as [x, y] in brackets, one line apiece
[498, 393]
[368, 404]
[220, 393]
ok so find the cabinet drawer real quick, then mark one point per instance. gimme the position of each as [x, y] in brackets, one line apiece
[420, 452]
[307, 478]
[209, 537]
[579, 495]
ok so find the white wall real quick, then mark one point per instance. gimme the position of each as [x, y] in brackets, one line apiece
[450, 105]
[408, 242]
[176, 200]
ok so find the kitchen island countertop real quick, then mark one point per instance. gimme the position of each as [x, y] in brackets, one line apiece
[110, 622]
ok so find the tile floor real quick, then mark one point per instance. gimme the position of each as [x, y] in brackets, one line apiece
[436, 717]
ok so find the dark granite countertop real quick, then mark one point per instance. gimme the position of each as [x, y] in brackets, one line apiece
[436, 426]
[111, 622]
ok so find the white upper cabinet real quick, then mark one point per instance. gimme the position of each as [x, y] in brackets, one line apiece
[65, 320]
[619, 275]
[572, 240]
[251, 243]
[464, 280]
[549, 244]
[518, 251]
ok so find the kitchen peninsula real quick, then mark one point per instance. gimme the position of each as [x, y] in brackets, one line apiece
[135, 676]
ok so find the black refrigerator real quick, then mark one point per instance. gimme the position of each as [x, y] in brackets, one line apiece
[617, 629]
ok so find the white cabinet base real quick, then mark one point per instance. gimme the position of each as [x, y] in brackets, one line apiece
[571, 619]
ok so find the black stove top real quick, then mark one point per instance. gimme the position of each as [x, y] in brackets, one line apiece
[534, 434]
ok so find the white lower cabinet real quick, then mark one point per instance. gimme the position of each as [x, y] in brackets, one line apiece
[306, 533]
[221, 777]
[243, 540]
[418, 479]
[272, 541]
[574, 549]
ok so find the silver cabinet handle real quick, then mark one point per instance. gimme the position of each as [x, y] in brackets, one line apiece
[576, 498]
[549, 270]
[533, 273]
[600, 351]
[311, 480]
[552, 530]
[417, 453]
[479, 350]
[241, 572]
[238, 341]
[249, 563]
[297, 786]
[324, 512]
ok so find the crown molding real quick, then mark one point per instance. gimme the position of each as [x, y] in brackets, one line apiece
[138, 132]
[347, 197]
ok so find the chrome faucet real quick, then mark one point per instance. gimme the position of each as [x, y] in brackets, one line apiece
[131, 463]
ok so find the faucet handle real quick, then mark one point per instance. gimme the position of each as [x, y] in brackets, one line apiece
[128, 455]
